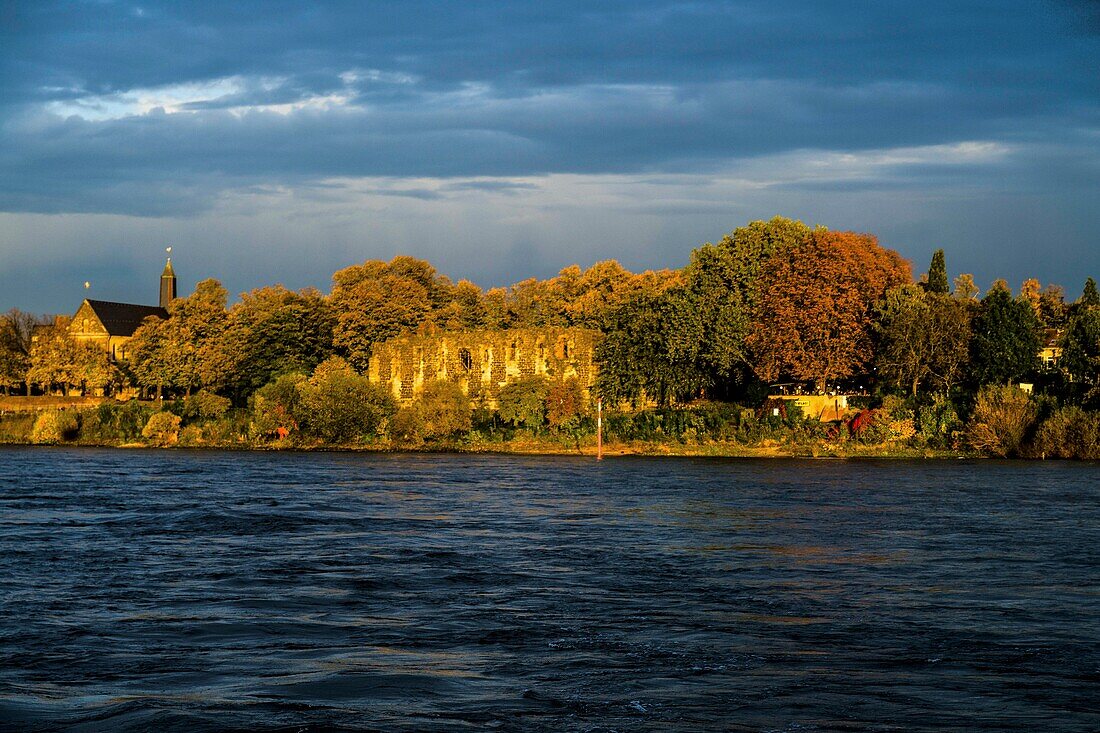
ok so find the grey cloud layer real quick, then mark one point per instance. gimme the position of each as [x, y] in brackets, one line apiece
[460, 101]
[512, 89]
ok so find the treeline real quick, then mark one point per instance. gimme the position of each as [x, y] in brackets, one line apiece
[772, 302]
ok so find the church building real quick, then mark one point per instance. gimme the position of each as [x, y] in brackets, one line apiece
[112, 325]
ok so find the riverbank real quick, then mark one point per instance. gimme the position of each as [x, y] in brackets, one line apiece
[705, 430]
[531, 446]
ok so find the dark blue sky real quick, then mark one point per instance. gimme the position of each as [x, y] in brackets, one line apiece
[278, 141]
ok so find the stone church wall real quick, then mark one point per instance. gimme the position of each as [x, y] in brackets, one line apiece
[482, 362]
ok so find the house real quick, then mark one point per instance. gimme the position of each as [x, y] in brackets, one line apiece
[1051, 353]
[112, 325]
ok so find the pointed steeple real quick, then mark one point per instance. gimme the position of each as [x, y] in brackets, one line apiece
[167, 284]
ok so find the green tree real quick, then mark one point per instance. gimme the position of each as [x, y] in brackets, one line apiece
[1005, 342]
[717, 290]
[923, 338]
[274, 330]
[441, 410]
[1090, 298]
[652, 350]
[1081, 347]
[277, 405]
[523, 402]
[339, 405]
[937, 274]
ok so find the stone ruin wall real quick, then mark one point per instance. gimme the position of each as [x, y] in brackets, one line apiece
[482, 362]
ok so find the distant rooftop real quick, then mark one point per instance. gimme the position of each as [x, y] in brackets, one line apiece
[122, 319]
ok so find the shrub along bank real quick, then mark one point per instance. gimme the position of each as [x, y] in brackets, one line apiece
[335, 407]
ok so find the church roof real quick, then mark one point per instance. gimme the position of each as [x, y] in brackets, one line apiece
[168, 271]
[122, 319]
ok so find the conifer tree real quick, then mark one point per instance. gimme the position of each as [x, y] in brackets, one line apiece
[1090, 298]
[937, 274]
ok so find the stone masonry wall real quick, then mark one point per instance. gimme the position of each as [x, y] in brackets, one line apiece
[482, 362]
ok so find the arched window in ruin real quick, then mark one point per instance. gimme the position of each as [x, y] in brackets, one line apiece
[512, 352]
[465, 359]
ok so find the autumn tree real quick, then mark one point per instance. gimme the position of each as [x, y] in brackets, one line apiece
[1005, 341]
[965, 288]
[937, 274]
[184, 351]
[378, 300]
[54, 358]
[813, 320]
[923, 338]
[1031, 292]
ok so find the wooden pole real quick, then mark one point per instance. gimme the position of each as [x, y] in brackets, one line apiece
[599, 430]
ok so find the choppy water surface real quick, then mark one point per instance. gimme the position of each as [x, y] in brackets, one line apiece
[191, 591]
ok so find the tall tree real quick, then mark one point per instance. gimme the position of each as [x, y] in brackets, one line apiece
[54, 358]
[813, 320]
[937, 274]
[1053, 311]
[1081, 346]
[185, 351]
[652, 351]
[377, 300]
[923, 338]
[274, 331]
[16, 334]
[1005, 342]
[1090, 297]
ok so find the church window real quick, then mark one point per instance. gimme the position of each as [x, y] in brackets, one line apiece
[465, 358]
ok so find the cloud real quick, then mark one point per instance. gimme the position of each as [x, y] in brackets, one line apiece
[652, 122]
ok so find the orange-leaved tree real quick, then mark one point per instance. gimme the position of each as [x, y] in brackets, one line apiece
[813, 315]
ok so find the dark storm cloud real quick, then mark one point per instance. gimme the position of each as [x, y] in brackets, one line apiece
[507, 89]
[163, 109]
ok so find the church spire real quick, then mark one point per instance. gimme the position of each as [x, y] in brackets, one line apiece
[167, 284]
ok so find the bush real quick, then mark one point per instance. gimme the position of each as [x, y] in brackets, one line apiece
[1069, 433]
[163, 428]
[1001, 419]
[523, 402]
[191, 436]
[339, 405]
[117, 421]
[205, 405]
[938, 423]
[442, 410]
[275, 406]
[565, 405]
[54, 426]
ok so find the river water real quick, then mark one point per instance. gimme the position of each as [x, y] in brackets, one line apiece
[172, 590]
